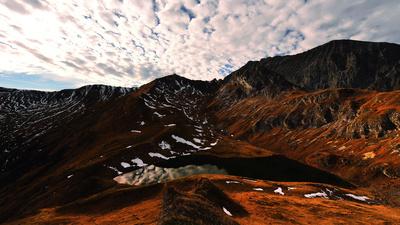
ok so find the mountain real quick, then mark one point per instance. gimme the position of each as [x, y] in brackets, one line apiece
[280, 136]
[27, 115]
[341, 64]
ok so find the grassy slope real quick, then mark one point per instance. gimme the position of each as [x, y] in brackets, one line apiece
[141, 205]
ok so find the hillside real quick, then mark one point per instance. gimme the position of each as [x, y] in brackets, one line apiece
[308, 118]
[341, 64]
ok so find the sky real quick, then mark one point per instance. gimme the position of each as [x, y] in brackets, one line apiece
[54, 45]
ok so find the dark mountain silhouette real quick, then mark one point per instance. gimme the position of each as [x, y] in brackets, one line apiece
[341, 64]
[335, 107]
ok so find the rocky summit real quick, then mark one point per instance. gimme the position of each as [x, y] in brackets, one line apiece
[306, 138]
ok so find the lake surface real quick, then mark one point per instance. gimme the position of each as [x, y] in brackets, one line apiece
[275, 168]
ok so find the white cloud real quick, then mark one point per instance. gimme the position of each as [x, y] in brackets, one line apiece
[132, 42]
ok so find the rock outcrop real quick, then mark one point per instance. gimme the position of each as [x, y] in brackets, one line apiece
[254, 79]
[206, 205]
[341, 64]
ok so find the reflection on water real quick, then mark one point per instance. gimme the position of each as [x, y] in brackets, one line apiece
[154, 174]
[275, 168]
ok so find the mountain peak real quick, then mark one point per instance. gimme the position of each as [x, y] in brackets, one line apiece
[171, 77]
[342, 64]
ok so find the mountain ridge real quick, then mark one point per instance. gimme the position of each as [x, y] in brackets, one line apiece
[63, 148]
[337, 64]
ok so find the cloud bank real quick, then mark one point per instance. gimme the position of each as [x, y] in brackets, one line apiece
[130, 42]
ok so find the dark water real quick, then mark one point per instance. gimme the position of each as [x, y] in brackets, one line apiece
[274, 168]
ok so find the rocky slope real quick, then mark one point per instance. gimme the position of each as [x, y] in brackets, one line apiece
[85, 150]
[353, 133]
[27, 115]
[341, 64]
[60, 151]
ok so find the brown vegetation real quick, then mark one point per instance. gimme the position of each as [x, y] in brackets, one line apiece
[143, 205]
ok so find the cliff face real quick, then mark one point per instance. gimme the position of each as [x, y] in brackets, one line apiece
[342, 64]
[254, 79]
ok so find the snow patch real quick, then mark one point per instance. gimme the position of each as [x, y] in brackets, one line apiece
[115, 169]
[199, 148]
[170, 125]
[149, 104]
[181, 140]
[164, 145]
[258, 189]
[330, 192]
[360, 198]
[69, 176]
[318, 194]
[139, 162]
[215, 143]
[250, 180]
[136, 131]
[159, 115]
[226, 211]
[291, 188]
[279, 191]
[125, 165]
[232, 182]
[130, 146]
[158, 155]
[197, 140]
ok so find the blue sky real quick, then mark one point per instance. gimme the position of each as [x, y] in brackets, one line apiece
[32, 82]
[54, 45]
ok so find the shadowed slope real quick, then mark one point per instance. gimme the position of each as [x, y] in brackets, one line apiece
[205, 205]
[341, 64]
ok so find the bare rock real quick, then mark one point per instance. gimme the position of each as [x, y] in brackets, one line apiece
[206, 205]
